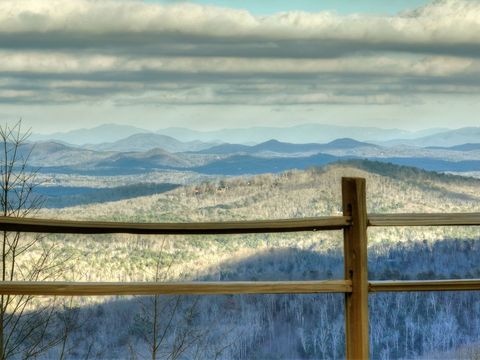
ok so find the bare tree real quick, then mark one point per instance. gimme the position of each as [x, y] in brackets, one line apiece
[169, 324]
[24, 322]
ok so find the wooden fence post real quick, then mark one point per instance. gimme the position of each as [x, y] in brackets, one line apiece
[356, 268]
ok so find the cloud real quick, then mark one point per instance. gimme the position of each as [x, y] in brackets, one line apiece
[441, 21]
[188, 29]
[55, 51]
[56, 62]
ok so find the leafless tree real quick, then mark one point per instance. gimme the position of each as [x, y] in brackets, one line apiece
[24, 321]
[167, 324]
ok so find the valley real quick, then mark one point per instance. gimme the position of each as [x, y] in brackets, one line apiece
[250, 326]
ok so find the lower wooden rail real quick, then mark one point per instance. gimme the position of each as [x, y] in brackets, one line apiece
[58, 288]
[424, 285]
[63, 288]
[198, 228]
[433, 219]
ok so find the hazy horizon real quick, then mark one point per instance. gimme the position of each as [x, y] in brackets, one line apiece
[156, 129]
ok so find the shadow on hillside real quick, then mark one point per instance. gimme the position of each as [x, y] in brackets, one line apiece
[244, 326]
[64, 196]
[295, 326]
[281, 264]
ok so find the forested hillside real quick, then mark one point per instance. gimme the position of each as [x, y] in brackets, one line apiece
[269, 326]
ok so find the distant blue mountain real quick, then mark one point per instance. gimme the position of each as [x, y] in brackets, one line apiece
[226, 149]
[304, 133]
[287, 148]
[466, 135]
[462, 147]
[246, 164]
[347, 143]
[96, 135]
[155, 158]
[249, 164]
[149, 141]
[241, 159]
[431, 164]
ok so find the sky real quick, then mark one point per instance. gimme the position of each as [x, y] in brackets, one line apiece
[209, 64]
[269, 7]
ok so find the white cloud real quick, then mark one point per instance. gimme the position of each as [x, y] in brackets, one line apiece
[440, 22]
[57, 62]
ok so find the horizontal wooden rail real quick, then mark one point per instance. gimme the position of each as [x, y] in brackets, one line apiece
[58, 288]
[205, 228]
[424, 285]
[233, 227]
[453, 219]
[61, 288]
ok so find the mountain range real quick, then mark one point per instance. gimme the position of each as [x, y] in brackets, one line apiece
[110, 134]
[131, 150]
[306, 133]
[462, 147]
[149, 141]
[271, 156]
[449, 138]
[99, 134]
[276, 146]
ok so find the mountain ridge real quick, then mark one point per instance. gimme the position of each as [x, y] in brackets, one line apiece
[304, 133]
[276, 146]
[98, 134]
[148, 141]
[461, 147]
[448, 138]
[297, 134]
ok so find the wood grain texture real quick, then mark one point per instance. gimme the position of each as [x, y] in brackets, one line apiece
[453, 219]
[173, 288]
[425, 285]
[356, 268]
[227, 227]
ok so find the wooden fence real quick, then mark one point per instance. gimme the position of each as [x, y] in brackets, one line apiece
[356, 286]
